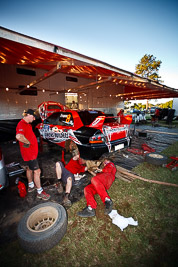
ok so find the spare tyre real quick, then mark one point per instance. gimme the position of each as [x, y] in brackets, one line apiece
[42, 227]
[156, 159]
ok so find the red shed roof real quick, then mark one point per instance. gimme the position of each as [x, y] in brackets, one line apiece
[18, 49]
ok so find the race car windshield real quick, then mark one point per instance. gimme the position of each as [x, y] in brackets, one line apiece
[60, 118]
[52, 107]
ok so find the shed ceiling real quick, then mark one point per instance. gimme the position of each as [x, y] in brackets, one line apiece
[24, 51]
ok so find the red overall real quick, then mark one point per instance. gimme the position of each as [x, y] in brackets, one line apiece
[99, 184]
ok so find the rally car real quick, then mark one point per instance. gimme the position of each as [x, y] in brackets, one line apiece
[93, 132]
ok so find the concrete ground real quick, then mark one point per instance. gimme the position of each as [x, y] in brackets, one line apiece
[13, 207]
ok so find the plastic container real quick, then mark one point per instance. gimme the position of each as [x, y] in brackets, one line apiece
[22, 189]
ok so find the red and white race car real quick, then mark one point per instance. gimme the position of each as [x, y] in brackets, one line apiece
[94, 132]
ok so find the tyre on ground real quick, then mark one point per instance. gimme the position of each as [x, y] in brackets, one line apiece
[42, 227]
[156, 159]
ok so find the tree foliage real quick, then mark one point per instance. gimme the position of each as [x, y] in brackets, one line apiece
[148, 67]
[168, 104]
[131, 105]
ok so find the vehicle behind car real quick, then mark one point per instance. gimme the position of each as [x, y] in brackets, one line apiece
[135, 111]
[3, 172]
[153, 109]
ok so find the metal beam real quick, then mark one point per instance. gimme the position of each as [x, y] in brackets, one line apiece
[44, 76]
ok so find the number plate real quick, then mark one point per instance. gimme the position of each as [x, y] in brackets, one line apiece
[120, 146]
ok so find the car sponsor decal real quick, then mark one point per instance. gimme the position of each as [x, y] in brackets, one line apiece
[56, 135]
[108, 131]
[66, 118]
[73, 137]
[98, 122]
[42, 112]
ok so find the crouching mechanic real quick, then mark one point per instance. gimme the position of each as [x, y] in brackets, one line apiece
[29, 151]
[99, 184]
[65, 175]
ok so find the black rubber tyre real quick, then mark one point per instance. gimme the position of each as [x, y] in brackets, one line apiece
[42, 227]
[156, 159]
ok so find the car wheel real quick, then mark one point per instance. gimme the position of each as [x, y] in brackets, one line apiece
[156, 159]
[42, 227]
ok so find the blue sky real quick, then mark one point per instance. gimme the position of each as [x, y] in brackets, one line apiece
[117, 32]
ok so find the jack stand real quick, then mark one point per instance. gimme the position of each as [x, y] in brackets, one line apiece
[173, 164]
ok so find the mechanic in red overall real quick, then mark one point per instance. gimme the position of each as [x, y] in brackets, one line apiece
[29, 151]
[66, 175]
[99, 184]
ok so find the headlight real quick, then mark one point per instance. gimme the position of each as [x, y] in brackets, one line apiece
[97, 139]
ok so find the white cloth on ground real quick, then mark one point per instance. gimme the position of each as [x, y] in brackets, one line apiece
[121, 221]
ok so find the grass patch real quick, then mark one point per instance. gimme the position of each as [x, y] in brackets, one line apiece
[97, 242]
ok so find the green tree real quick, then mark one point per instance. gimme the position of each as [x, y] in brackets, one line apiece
[167, 104]
[148, 67]
[136, 106]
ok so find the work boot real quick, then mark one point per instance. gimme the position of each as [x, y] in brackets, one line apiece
[59, 187]
[66, 201]
[108, 206]
[86, 212]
